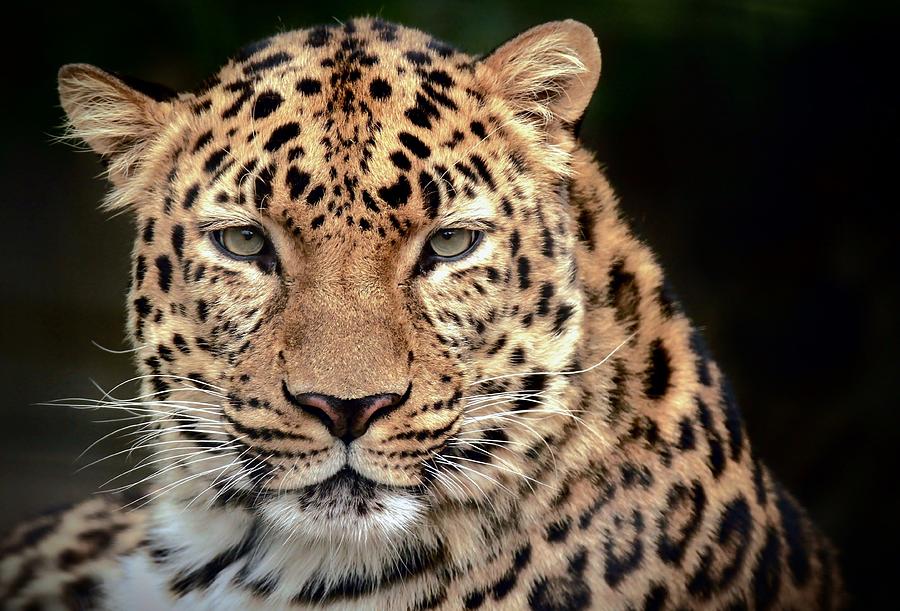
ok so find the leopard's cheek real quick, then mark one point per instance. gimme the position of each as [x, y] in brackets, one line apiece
[197, 311]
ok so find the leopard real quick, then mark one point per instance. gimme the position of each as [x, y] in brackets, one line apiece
[399, 348]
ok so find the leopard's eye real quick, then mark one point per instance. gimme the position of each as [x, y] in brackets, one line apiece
[452, 244]
[241, 242]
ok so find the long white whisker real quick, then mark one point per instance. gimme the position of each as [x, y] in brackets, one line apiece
[455, 466]
[111, 351]
[507, 470]
[195, 459]
[503, 401]
[145, 463]
[557, 373]
[166, 377]
[149, 445]
[216, 479]
[157, 493]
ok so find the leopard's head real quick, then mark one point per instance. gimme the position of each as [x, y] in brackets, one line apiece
[354, 265]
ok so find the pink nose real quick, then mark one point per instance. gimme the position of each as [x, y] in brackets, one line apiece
[347, 419]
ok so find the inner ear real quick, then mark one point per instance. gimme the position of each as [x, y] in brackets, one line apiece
[548, 73]
[154, 91]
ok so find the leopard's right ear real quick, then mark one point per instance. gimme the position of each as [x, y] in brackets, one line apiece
[548, 73]
[117, 117]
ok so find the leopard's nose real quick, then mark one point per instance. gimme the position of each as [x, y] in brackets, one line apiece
[347, 419]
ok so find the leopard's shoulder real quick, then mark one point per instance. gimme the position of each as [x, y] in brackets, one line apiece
[62, 558]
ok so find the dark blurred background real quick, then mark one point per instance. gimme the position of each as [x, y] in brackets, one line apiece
[752, 143]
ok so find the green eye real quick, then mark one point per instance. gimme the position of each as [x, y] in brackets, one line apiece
[453, 243]
[241, 241]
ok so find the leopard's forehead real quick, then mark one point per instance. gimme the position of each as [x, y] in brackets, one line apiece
[340, 126]
[356, 71]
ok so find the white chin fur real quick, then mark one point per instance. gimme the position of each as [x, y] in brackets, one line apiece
[389, 515]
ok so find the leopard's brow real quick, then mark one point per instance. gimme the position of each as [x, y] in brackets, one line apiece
[476, 213]
[217, 216]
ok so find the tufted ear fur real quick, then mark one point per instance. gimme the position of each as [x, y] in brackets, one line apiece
[116, 116]
[549, 72]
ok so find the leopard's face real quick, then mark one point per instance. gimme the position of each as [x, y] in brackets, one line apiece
[354, 260]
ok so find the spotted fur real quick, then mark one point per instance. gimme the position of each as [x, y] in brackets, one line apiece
[562, 440]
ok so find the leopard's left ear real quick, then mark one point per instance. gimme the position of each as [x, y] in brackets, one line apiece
[548, 73]
[116, 116]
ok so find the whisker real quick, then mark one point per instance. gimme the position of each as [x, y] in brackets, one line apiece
[165, 377]
[510, 471]
[481, 441]
[231, 481]
[126, 351]
[145, 463]
[525, 397]
[557, 373]
[178, 465]
[169, 487]
[213, 483]
[525, 426]
[444, 480]
[448, 460]
[150, 445]
[455, 466]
